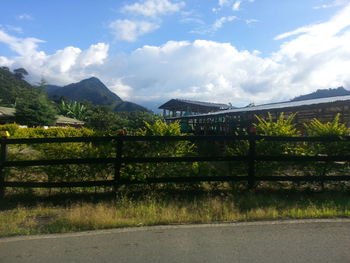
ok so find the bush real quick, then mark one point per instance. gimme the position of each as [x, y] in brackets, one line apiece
[47, 151]
[328, 129]
[159, 149]
[11, 128]
[282, 126]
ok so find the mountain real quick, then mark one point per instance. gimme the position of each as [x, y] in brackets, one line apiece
[92, 90]
[12, 87]
[323, 93]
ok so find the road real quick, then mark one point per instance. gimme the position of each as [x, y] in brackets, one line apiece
[278, 241]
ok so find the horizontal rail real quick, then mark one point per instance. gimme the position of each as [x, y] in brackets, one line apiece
[126, 160]
[251, 159]
[58, 162]
[189, 179]
[174, 138]
[59, 184]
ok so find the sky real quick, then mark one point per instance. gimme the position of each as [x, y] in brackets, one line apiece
[149, 51]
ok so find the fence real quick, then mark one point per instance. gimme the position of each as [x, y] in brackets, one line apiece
[119, 160]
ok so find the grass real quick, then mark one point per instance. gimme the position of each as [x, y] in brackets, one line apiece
[23, 215]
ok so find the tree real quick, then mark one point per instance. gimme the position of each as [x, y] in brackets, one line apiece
[101, 118]
[35, 110]
[20, 73]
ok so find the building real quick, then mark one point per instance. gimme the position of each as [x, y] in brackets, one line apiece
[178, 107]
[239, 119]
[7, 115]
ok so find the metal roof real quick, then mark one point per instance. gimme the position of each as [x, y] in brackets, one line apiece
[277, 106]
[6, 113]
[193, 102]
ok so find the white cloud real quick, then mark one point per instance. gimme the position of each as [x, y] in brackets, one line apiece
[250, 21]
[16, 29]
[127, 30]
[24, 17]
[23, 46]
[94, 55]
[153, 8]
[309, 58]
[221, 21]
[222, 3]
[334, 3]
[236, 5]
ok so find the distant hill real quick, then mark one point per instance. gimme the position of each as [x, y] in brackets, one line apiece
[323, 93]
[13, 87]
[92, 90]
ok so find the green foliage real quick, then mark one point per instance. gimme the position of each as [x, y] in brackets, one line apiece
[281, 127]
[11, 128]
[159, 149]
[13, 87]
[72, 110]
[136, 119]
[20, 73]
[329, 129]
[103, 120]
[333, 128]
[57, 132]
[160, 128]
[35, 110]
[108, 122]
[49, 151]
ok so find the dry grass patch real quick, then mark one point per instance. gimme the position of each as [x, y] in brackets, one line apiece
[155, 209]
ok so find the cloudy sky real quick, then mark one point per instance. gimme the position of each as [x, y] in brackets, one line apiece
[148, 51]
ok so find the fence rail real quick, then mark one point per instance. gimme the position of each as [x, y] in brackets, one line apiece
[119, 160]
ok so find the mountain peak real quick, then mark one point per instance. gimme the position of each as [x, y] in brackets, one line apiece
[93, 90]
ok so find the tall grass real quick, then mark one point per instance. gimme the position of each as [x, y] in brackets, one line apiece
[156, 209]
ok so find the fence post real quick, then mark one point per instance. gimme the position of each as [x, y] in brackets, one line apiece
[3, 154]
[251, 162]
[118, 162]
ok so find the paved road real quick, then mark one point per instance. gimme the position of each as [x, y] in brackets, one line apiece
[282, 241]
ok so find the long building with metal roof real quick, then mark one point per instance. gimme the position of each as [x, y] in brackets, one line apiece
[231, 120]
[180, 107]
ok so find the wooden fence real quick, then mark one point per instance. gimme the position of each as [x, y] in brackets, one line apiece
[119, 160]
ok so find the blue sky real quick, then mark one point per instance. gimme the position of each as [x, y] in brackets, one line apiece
[148, 51]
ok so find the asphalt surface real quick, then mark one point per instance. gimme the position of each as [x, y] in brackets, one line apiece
[279, 241]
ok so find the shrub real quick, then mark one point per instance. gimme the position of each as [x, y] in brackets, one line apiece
[328, 129]
[59, 151]
[159, 149]
[11, 128]
[282, 126]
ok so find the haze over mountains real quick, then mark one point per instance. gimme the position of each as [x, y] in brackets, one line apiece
[93, 90]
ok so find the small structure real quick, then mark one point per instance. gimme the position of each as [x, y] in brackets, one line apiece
[239, 119]
[65, 121]
[7, 115]
[179, 107]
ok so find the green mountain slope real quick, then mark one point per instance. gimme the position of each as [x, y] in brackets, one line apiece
[94, 91]
[12, 87]
[91, 89]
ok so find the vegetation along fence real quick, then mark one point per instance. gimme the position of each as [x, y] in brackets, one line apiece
[248, 151]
